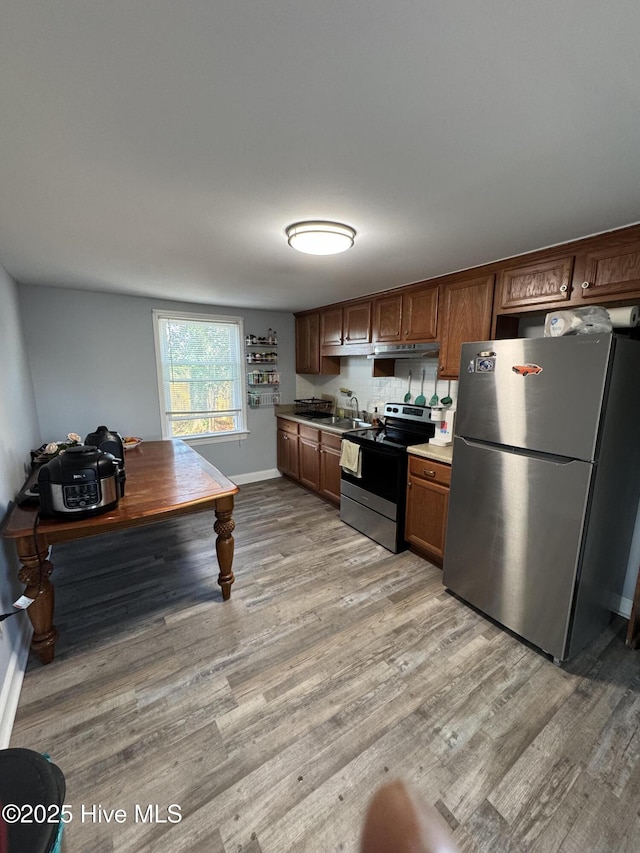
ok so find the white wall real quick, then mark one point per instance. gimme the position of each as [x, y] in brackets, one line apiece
[92, 359]
[19, 432]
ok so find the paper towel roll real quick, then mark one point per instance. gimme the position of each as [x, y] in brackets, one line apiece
[623, 318]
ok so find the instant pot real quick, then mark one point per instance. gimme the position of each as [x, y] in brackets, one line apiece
[81, 482]
[110, 441]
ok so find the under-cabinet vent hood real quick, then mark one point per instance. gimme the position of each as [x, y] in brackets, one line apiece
[406, 351]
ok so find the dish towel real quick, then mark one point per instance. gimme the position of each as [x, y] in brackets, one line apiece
[351, 458]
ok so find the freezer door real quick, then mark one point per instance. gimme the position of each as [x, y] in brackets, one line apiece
[514, 538]
[543, 394]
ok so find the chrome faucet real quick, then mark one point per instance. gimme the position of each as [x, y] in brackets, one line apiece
[357, 406]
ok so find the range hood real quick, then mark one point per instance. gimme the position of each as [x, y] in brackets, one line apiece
[405, 351]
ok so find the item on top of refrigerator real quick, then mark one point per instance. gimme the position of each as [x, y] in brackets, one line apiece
[625, 317]
[591, 320]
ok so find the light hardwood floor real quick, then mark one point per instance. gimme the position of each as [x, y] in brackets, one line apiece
[270, 719]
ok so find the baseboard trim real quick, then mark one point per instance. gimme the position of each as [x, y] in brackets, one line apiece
[255, 476]
[12, 684]
[621, 606]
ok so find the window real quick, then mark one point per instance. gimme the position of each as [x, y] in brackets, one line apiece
[200, 375]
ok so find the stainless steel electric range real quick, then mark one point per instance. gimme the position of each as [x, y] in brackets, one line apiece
[374, 503]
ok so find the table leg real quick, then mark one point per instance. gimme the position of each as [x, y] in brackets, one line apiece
[224, 527]
[35, 573]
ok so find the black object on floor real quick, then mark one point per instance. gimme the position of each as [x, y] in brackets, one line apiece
[31, 789]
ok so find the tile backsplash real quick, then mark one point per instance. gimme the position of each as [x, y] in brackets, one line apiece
[355, 374]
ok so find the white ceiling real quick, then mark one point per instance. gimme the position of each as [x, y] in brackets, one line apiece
[160, 148]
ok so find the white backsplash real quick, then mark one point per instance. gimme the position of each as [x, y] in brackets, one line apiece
[355, 374]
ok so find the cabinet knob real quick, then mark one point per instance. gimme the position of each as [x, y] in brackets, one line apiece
[585, 285]
[564, 288]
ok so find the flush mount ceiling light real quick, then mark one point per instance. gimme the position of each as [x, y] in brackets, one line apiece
[320, 238]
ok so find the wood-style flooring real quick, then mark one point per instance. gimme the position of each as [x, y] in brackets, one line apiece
[336, 666]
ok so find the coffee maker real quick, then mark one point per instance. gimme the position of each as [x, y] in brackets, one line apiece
[110, 442]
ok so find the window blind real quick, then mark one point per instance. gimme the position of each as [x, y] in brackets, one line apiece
[201, 375]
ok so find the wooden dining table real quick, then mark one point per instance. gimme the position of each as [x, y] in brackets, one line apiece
[164, 479]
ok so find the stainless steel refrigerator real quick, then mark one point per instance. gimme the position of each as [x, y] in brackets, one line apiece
[545, 484]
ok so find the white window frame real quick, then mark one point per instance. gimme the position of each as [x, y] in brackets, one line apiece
[165, 419]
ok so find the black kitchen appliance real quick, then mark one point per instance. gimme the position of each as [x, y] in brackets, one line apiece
[81, 482]
[110, 442]
[374, 503]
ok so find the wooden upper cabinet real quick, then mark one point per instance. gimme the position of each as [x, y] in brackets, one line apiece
[466, 316]
[388, 318]
[308, 343]
[411, 316]
[309, 358]
[614, 271]
[357, 323]
[331, 327]
[535, 284]
[420, 314]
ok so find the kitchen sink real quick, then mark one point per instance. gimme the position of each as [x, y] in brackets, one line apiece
[344, 423]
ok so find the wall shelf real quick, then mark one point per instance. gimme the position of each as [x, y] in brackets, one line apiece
[262, 350]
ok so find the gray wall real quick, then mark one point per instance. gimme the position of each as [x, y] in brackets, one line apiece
[92, 360]
[19, 432]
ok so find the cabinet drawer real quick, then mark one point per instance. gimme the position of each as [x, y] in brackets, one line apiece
[427, 469]
[331, 439]
[288, 426]
[310, 433]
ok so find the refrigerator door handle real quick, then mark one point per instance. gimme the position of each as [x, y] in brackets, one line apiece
[519, 451]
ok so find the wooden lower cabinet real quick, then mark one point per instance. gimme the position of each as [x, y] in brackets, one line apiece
[427, 506]
[330, 447]
[287, 449]
[311, 457]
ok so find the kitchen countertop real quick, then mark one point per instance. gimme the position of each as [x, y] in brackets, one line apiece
[428, 451]
[432, 451]
[300, 419]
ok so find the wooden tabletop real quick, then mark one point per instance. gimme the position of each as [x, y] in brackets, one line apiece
[164, 478]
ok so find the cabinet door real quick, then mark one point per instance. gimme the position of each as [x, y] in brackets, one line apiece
[536, 284]
[426, 519]
[331, 327]
[466, 308]
[614, 271]
[388, 318]
[357, 323]
[308, 343]
[287, 449]
[420, 314]
[330, 474]
[309, 463]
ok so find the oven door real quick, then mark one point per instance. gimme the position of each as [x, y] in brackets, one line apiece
[374, 503]
[382, 470]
